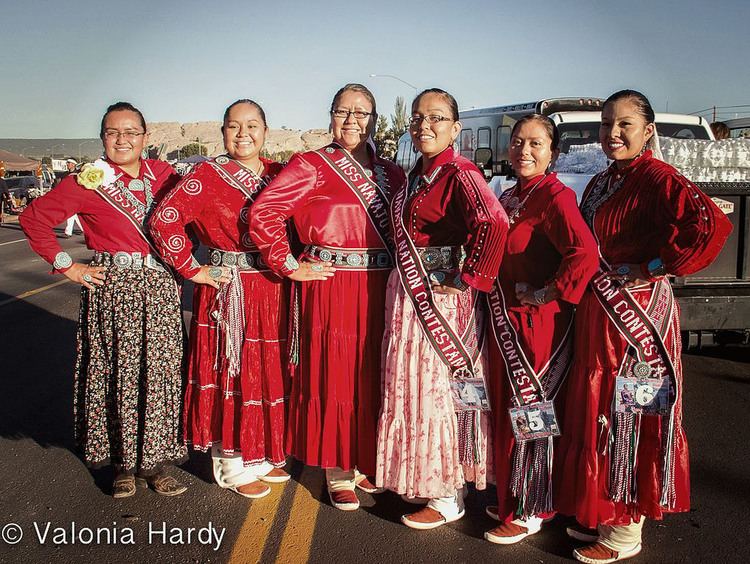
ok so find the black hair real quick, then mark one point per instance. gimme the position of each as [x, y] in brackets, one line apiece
[118, 107]
[448, 98]
[639, 100]
[244, 101]
[544, 121]
[355, 87]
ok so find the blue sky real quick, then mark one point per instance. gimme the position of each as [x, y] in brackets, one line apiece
[64, 62]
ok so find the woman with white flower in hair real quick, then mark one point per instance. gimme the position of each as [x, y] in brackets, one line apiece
[128, 374]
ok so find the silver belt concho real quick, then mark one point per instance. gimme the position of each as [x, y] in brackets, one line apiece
[135, 261]
[360, 259]
[441, 258]
[242, 260]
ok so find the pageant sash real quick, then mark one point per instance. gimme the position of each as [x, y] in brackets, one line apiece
[531, 391]
[112, 194]
[532, 418]
[373, 195]
[448, 345]
[637, 327]
[237, 176]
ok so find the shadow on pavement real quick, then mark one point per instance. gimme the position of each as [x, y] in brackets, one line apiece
[36, 385]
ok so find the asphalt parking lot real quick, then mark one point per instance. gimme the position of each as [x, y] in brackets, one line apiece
[52, 499]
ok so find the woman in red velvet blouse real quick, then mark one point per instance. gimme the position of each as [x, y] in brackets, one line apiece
[617, 465]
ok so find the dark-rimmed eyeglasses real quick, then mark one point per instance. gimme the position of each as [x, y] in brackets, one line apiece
[344, 114]
[432, 119]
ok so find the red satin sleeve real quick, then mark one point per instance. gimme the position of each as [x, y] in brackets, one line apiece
[487, 226]
[697, 228]
[276, 205]
[567, 231]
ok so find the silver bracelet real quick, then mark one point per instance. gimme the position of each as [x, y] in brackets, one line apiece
[540, 295]
[62, 260]
[290, 263]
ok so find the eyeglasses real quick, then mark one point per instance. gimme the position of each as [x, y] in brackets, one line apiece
[344, 114]
[127, 135]
[432, 119]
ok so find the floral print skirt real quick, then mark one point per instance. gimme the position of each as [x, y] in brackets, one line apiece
[128, 374]
[418, 431]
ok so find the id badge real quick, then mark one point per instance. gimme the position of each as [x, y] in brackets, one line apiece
[645, 396]
[469, 394]
[534, 421]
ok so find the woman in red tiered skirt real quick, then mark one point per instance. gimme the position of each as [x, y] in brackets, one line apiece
[234, 402]
[337, 198]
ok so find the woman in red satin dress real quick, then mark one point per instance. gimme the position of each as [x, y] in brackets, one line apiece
[234, 402]
[614, 469]
[337, 198]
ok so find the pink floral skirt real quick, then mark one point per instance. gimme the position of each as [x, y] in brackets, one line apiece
[418, 434]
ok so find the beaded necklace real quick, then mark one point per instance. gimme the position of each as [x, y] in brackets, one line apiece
[513, 206]
[137, 185]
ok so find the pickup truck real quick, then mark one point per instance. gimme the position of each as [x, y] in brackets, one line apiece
[715, 303]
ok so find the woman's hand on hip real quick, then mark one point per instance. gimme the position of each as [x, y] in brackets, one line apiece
[213, 276]
[86, 275]
[313, 270]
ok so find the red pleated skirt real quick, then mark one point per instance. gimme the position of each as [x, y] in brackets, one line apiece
[335, 397]
[539, 342]
[246, 413]
[581, 470]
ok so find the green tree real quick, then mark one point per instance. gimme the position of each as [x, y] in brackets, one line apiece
[386, 137]
[382, 136]
[193, 149]
[399, 120]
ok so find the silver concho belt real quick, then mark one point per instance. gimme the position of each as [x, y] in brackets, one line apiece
[441, 258]
[250, 260]
[122, 259]
[352, 259]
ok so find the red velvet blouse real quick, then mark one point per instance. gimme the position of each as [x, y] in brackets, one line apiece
[215, 211]
[324, 209]
[658, 213]
[549, 242]
[454, 206]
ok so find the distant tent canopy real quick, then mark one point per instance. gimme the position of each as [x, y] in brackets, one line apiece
[18, 163]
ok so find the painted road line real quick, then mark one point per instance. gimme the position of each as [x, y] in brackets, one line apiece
[281, 531]
[297, 539]
[9, 242]
[33, 292]
[248, 547]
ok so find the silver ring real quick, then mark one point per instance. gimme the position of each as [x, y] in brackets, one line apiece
[317, 267]
[214, 272]
[87, 278]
